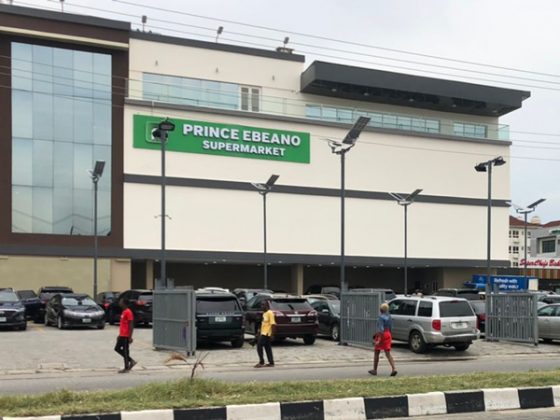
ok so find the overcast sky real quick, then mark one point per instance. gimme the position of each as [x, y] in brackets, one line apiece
[518, 34]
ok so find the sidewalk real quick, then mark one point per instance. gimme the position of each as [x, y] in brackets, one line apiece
[44, 350]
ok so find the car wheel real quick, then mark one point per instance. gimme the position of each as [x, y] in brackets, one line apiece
[23, 327]
[237, 343]
[335, 332]
[101, 326]
[309, 339]
[59, 323]
[416, 342]
[462, 347]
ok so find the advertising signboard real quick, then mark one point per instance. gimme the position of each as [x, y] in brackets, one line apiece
[505, 283]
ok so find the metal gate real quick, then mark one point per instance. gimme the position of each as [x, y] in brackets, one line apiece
[512, 317]
[358, 316]
[174, 320]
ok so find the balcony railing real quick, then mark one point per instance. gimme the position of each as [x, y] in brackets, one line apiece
[182, 91]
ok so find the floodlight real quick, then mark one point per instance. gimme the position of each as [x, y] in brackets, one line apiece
[499, 161]
[481, 167]
[356, 130]
[166, 125]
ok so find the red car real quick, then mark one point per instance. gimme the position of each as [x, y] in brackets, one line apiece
[295, 318]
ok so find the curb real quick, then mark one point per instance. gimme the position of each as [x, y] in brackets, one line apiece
[361, 408]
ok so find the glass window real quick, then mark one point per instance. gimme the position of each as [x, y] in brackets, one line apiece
[455, 308]
[548, 245]
[403, 307]
[59, 112]
[469, 130]
[313, 111]
[425, 309]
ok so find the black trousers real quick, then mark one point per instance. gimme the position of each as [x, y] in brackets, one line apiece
[264, 342]
[123, 348]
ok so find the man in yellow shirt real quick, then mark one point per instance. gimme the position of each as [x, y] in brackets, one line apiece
[268, 328]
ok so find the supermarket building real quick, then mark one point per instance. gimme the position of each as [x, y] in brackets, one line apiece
[83, 89]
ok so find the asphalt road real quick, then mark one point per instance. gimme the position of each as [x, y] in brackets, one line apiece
[45, 382]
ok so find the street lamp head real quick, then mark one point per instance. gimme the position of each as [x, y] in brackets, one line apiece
[397, 197]
[481, 167]
[166, 125]
[356, 130]
[499, 161]
[97, 170]
[272, 180]
[412, 196]
[259, 186]
[536, 203]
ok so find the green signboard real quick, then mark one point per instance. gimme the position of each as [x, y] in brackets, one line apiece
[224, 139]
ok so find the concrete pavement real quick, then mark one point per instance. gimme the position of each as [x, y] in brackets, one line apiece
[537, 414]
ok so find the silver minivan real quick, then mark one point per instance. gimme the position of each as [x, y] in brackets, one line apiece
[424, 322]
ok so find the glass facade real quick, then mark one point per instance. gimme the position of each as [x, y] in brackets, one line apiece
[469, 130]
[61, 124]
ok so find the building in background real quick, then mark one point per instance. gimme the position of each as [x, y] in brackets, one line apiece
[84, 88]
[517, 238]
[544, 259]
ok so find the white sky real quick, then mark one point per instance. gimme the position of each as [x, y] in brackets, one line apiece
[521, 34]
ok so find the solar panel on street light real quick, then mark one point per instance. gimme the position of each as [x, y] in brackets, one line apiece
[356, 130]
[413, 195]
[272, 180]
[536, 203]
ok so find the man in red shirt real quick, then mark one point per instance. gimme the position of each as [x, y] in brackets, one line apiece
[124, 340]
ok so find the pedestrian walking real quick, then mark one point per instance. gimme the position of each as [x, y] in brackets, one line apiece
[264, 341]
[124, 340]
[383, 340]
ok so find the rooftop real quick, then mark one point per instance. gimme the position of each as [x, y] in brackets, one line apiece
[514, 221]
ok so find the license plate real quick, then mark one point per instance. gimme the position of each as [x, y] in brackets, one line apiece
[86, 320]
[296, 319]
[220, 319]
[3, 319]
[458, 325]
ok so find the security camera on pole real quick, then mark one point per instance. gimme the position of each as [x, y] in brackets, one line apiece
[162, 133]
[341, 149]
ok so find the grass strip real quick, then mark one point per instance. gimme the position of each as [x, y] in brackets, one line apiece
[207, 393]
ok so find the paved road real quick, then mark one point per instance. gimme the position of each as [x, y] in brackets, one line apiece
[540, 414]
[40, 383]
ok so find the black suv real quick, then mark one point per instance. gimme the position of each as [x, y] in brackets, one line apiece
[140, 303]
[46, 293]
[219, 317]
[12, 311]
[32, 304]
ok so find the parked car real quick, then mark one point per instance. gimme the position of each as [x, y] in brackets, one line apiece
[140, 303]
[213, 289]
[317, 289]
[245, 295]
[45, 293]
[12, 311]
[295, 318]
[549, 322]
[389, 293]
[548, 300]
[469, 294]
[105, 299]
[219, 317]
[32, 304]
[314, 298]
[74, 310]
[479, 308]
[328, 312]
[424, 322]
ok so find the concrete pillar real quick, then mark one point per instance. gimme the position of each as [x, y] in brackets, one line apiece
[297, 279]
[121, 275]
[149, 274]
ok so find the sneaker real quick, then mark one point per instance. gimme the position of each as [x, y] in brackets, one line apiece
[124, 371]
[132, 364]
[270, 365]
[394, 373]
[259, 365]
[372, 372]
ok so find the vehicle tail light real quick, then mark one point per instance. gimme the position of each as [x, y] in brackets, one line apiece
[140, 303]
[106, 305]
[312, 314]
[482, 317]
[436, 324]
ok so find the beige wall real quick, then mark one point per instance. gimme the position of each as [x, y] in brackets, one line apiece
[77, 273]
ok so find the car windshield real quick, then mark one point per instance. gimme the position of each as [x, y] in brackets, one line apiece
[455, 308]
[8, 297]
[217, 305]
[77, 301]
[290, 305]
[26, 294]
[146, 297]
[335, 307]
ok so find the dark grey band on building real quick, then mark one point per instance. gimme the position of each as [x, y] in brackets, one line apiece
[315, 191]
[223, 257]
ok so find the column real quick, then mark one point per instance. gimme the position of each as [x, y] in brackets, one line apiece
[297, 279]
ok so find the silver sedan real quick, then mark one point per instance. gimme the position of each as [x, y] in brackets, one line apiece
[549, 322]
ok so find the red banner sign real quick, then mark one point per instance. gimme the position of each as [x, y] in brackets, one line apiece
[541, 263]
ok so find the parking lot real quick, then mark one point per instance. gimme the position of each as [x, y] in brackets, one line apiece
[47, 349]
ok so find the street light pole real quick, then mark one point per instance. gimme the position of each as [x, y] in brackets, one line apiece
[162, 132]
[525, 211]
[263, 190]
[95, 174]
[487, 167]
[341, 149]
[405, 202]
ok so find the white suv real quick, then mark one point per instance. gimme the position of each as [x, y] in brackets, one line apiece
[429, 321]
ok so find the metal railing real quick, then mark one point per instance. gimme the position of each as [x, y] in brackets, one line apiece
[358, 317]
[512, 317]
[174, 320]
